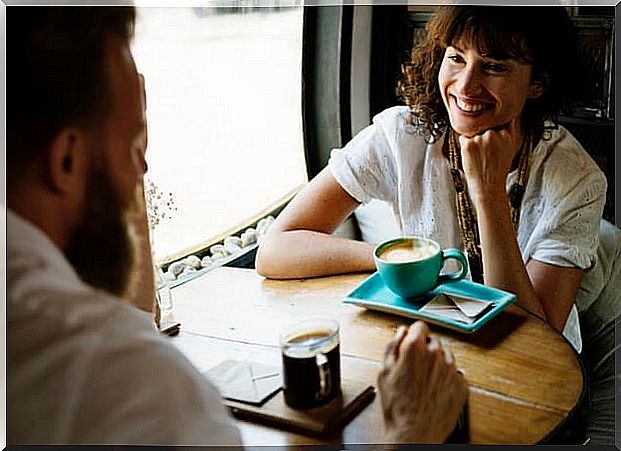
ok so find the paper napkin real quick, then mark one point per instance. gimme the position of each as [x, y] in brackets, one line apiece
[457, 308]
[245, 381]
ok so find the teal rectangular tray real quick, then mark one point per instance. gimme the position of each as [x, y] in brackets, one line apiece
[374, 295]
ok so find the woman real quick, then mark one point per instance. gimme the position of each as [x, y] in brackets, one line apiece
[472, 161]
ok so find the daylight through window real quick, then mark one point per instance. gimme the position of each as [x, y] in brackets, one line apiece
[225, 121]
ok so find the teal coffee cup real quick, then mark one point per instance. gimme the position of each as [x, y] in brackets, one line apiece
[410, 266]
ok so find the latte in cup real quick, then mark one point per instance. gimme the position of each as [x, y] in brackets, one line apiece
[408, 251]
[411, 266]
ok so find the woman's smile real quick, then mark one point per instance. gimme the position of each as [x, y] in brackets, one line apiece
[480, 92]
[471, 106]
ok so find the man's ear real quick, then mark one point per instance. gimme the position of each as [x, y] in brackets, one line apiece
[67, 160]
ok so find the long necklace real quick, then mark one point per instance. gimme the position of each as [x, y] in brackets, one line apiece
[466, 215]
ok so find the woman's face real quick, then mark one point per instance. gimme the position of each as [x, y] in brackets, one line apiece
[481, 92]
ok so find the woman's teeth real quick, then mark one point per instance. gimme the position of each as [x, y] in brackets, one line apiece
[470, 107]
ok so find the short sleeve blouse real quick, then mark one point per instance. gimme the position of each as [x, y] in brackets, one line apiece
[402, 165]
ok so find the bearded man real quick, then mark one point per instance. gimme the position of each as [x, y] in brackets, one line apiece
[85, 366]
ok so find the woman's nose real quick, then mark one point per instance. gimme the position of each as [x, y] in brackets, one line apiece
[469, 81]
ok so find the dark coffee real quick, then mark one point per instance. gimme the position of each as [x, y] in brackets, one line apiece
[305, 357]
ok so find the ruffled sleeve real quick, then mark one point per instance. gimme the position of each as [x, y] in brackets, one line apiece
[366, 166]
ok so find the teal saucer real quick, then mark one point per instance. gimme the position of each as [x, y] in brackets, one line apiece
[372, 294]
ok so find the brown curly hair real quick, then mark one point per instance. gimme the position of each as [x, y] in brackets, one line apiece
[544, 37]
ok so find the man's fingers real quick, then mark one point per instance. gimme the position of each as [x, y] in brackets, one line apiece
[419, 328]
[449, 358]
[415, 344]
[463, 383]
[392, 350]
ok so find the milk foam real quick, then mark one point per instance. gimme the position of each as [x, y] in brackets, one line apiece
[408, 252]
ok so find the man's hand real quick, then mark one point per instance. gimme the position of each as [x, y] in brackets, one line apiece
[421, 392]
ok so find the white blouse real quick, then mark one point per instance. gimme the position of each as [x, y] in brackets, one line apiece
[399, 164]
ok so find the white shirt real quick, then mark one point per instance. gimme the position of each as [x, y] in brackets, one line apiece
[393, 162]
[85, 368]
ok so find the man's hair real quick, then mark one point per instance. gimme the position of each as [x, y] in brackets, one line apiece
[542, 36]
[56, 73]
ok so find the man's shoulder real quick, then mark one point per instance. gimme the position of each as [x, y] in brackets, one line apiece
[185, 408]
[115, 377]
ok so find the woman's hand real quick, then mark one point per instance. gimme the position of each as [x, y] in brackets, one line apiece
[487, 159]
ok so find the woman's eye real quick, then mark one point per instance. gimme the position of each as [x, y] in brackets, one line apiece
[495, 68]
[455, 58]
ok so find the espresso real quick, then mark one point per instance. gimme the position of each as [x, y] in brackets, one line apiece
[407, 252]
[301, 374]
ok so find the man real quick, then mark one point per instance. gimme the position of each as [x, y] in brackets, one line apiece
[84, 366]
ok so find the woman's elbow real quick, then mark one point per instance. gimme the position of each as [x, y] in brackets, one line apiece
[266, 263]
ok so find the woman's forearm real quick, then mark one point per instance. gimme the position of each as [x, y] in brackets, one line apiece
[304, 253]
[502, 261]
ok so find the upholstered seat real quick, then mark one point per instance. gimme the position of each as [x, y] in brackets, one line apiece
[599, 305]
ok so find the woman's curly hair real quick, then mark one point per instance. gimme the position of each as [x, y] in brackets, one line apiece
[542, 36]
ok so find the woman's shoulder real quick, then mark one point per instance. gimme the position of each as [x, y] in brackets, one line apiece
[399, 121]
[564, 163]
[397, 113]
[560, 149]
[392, 120]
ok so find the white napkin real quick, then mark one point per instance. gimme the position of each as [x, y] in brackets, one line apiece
[245, 381]
[457, 308]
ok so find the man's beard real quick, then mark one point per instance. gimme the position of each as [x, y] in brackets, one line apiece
[103, 247]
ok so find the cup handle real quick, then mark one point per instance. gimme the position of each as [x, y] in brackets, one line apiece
[325, 381]
[458, 255]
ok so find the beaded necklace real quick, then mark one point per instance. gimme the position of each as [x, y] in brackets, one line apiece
[465, 212]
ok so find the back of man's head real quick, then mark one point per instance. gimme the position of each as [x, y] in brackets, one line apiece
[56, 74]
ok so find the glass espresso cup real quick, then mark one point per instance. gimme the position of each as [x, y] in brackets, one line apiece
[311, 363]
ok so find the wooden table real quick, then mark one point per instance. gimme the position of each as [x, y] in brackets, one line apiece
[524, 377]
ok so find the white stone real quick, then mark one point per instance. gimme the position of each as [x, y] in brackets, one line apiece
[248, 237]
[232, 248]
[177, 268]
[193, 261]
[188, 270]
[232, 240]
[206, 261]
[262, 226]
[217, 256]
[218, 249]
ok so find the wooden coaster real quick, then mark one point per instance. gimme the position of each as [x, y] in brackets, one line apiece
[317, 421]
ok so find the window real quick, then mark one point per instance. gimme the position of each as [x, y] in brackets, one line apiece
[225, 118]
